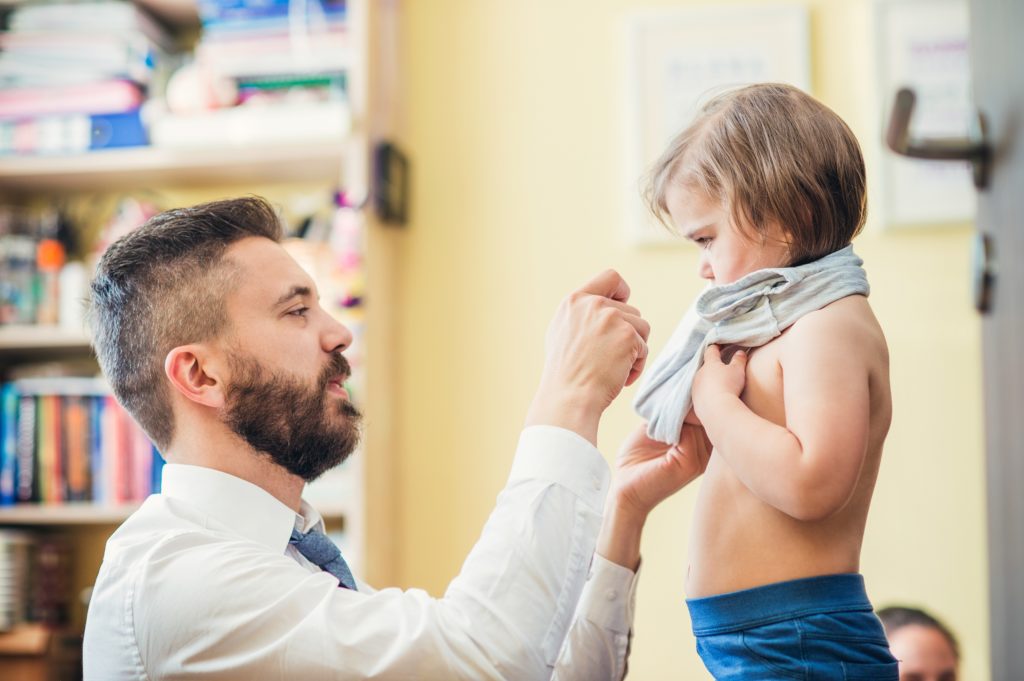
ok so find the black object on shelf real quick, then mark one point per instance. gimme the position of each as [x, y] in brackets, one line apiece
[390, 184]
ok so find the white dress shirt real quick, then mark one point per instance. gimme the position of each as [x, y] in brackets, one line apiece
[201, 582]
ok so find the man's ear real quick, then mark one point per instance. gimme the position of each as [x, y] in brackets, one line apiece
[195, 374]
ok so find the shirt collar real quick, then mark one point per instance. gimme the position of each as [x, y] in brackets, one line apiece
[243, 507]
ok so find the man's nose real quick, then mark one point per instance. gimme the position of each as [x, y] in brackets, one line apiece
[336, 336]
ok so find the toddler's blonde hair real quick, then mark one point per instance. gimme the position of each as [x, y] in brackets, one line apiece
[771, 153]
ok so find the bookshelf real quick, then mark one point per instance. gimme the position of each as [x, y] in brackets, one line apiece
[362, 503]
[68, 513]
[148, 167]
[88, 513]
[27, 339]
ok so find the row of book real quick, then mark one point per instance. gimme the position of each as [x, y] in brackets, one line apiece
[99, 74]
[75, 75]
[251, 41]
[67, 439]
[35, 578]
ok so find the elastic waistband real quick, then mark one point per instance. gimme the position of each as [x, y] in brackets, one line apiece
[763, 605]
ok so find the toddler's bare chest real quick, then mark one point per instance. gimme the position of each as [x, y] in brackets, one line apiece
[763, 392]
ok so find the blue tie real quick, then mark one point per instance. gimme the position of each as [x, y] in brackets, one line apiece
[321, 551]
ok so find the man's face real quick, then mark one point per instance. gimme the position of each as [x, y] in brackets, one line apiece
[285, 394]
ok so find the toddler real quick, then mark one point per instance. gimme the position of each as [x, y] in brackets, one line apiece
[783, 364]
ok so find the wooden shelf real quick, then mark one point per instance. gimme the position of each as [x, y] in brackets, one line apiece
[152, 167]
[88, 513]
[33, 338]
[71, 513]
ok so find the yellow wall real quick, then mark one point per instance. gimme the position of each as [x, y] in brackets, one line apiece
[512, 115]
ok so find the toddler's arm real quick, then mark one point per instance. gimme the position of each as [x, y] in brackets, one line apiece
[809, 467]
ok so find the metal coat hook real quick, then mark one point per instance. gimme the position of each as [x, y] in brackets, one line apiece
[973, 148]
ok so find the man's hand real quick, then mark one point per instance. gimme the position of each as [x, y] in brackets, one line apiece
[596, 344]
[646, 473]
[717, 379]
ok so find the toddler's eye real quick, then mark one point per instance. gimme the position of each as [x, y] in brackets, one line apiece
[702, 241]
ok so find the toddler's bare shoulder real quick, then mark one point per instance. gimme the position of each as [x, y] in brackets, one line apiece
[846, 322]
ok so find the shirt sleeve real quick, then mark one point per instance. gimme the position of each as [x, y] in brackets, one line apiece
[597, 645]
[219, 609]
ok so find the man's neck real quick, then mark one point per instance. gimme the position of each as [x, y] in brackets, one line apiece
[224, 451]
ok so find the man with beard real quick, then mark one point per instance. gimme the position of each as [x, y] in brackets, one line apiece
[212, 337]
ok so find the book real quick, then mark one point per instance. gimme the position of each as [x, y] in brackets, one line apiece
[9, 399]
[96, 461]
[72, 133]
[76, 446]
[110, 96]
[115, 457]
[28, 485]
[216, 13]
[278, 55]
[48, 449]
[70, 58]
[85, 17]
[243, 126]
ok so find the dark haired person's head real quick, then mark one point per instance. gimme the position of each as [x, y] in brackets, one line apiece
[925, 647]
[200, 313]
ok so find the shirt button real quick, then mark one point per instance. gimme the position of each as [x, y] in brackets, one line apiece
[597, 484]
[611, 595]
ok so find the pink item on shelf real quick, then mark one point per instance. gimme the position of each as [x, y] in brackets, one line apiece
[111, 96]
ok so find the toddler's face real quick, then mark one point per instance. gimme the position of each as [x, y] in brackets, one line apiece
[726, 253]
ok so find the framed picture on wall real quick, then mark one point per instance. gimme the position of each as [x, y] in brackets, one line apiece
[676, 59]
[923, 45]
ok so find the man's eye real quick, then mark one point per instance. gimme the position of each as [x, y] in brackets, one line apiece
[299, 312]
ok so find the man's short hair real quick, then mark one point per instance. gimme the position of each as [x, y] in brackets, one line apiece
[162, 286]
[771, 153]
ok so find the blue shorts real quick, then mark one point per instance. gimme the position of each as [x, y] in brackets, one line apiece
[815, 629]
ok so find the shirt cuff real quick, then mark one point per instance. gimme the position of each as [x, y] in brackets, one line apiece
[564, 458]
[611, 591]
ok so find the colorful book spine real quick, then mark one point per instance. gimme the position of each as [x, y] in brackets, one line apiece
[96, 460]
[104, 97]
[72, 133]
[28, 485]
[76, 447]
[66, 440]
[48, 448]
[219, 13]
[8, 444]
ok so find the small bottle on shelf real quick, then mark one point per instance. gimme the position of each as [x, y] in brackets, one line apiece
[49, 261]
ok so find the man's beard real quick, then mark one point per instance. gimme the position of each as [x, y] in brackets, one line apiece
[300, 428]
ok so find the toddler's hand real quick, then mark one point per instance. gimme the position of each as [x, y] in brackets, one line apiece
[716, 377]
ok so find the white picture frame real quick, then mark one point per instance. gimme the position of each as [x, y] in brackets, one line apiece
[676, 59]
[924, 45]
